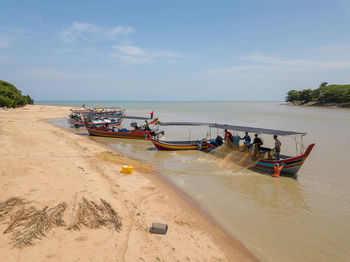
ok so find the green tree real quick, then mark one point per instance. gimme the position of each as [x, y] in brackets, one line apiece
[10, 96]
[292, 95]
[305, 95]
[323, 84]
[324, 94]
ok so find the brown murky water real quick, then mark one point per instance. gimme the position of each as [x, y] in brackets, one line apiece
[306, 218]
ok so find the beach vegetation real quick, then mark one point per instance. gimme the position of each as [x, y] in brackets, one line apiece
[325, 94]
[10, 96]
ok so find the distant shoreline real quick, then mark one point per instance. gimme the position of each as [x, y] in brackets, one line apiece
[317, 104]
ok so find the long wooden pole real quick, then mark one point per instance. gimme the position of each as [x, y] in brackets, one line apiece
[71, 218]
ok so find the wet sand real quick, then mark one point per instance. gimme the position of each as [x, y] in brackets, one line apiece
[47, 165]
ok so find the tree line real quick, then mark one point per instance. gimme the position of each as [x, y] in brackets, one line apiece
[322, 95]
[10, 96]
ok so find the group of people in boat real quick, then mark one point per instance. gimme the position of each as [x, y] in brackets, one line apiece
[256, 144]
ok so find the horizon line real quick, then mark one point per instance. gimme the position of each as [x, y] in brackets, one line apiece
[159, 100]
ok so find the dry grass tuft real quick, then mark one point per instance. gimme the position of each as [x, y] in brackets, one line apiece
[92, 215]
[30, 224]
[8, 206]
[114, 218]
[89, 215]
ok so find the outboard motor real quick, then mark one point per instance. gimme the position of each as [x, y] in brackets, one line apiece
[219, 141]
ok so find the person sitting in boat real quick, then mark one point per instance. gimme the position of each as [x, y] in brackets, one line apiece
[228, 136]
[277, 147]
[257, 145]
[146, 126]
[247, 141]
[106, 126]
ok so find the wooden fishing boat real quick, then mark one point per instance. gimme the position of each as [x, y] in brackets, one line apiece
[110, 122]
[178, 145]
[142, 132]
[122, 133]
[97, 116]
[291, 164]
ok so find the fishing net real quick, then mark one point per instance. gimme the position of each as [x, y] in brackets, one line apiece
[234, 158]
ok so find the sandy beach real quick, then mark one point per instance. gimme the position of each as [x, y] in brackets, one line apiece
[45, 165]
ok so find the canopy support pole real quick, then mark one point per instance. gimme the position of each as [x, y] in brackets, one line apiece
[296, 144]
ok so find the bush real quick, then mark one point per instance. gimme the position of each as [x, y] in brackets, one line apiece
[10, 96]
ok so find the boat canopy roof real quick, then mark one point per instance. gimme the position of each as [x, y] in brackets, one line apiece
[137, 117]
[235, 128]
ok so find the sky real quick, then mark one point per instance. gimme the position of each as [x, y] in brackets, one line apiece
[237, 50]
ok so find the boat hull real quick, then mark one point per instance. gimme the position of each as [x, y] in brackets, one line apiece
[126, 135]
[80, 124]
[291, 165]
[176, 146]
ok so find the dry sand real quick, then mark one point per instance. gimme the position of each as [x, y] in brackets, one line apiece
[47, 165]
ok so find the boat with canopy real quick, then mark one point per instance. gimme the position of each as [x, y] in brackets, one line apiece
[264, 162]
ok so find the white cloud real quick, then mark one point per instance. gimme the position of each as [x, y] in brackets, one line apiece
[130, 50]
[131, 54]
[240, 68]
[288, 63]
[339, 51]
[87, 31]
[58, 73]
[329, 58]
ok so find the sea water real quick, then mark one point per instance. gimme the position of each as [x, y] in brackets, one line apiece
[303, 218]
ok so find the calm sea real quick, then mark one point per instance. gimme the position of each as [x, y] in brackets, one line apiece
[306, 218]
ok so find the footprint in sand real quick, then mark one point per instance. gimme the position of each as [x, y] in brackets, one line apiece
[81, 238]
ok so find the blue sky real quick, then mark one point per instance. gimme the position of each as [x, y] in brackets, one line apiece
[173, 50]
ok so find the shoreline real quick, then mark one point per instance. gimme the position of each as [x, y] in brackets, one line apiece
[193, 232]
[216, 230]
[318, 105]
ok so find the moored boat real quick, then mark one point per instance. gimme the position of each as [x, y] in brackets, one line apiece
[120, 133]
[97, 116]
[142, 132]
[96, 123]
[291, 164]
[178, 145]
